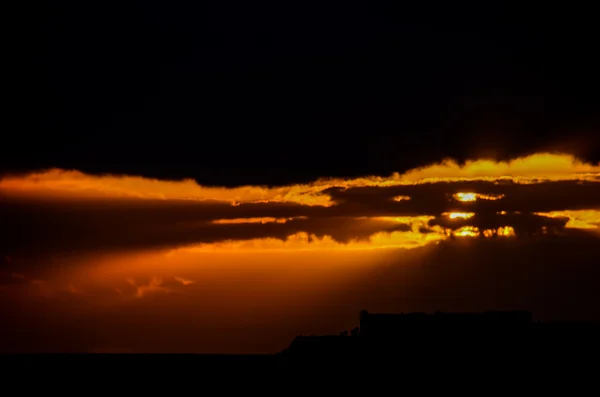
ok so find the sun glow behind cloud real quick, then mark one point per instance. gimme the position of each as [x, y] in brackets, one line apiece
[465, 196]
[469, 197]
[459, 215]
[403, 231]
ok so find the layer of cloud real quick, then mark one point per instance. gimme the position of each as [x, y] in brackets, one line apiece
[147, 265]
[530, 169]
[66, 211]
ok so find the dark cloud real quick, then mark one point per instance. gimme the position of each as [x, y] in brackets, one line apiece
[433, 198]
[38, 226]
[555, 277]
[461, 85]
[523, 223]
[111, 225]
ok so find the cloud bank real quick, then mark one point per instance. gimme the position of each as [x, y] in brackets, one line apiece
[57, 211]
[122, 263]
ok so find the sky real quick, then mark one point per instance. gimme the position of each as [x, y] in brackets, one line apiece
[125, 262]
[220, 178]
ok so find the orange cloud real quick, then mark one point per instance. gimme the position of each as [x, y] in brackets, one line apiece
[400, 211]
[253, 220]
[530, 169]
[309, 242]
[156, 285]
[581, 219]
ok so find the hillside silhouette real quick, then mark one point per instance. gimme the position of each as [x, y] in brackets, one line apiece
[439, 338]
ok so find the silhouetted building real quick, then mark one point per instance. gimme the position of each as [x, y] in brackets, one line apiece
[418, 338]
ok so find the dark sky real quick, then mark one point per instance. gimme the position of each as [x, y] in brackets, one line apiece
[236, 93]
[279, 93]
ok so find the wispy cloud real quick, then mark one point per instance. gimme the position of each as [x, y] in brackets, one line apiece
[156, 285]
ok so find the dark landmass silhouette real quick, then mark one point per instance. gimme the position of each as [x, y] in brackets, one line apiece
[439, 339]
[499, 345]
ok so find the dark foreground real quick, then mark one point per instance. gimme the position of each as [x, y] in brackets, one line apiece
[561, 347]
[506, 346]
